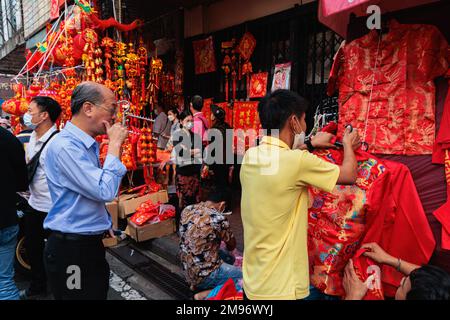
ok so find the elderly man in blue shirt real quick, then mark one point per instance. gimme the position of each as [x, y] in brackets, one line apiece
[79, 187]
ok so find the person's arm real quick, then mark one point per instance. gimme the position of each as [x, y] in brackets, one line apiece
[377, 254]
[347, 171]
[18, 164]
[226, 235]
[84, 177]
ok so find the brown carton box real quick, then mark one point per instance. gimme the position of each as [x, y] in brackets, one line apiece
[110, 242]
[128, 203]
[150, 231]
[113, 209]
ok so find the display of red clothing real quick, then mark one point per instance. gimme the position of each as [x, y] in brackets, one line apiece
[441, 154]
[399, 85]
[383, 206]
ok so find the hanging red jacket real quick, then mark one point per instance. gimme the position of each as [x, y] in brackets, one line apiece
[397, 222]
[386, 87]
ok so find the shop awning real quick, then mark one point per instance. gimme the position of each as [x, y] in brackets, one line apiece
[335, 14]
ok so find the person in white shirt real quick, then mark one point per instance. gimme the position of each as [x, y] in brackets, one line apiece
[42, 115]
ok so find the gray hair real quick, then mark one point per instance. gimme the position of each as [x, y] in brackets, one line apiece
[86, 92]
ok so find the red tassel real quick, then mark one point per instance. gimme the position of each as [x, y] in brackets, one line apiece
[226, 89]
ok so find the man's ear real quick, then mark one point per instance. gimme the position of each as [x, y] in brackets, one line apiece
[87, 108]
[222, 206]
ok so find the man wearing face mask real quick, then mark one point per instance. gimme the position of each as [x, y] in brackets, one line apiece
[79, 187]
[41, 117]
[275, 176]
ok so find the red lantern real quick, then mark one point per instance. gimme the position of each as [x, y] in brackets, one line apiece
[15, 106]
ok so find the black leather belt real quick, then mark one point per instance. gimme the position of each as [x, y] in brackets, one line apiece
[75, 236]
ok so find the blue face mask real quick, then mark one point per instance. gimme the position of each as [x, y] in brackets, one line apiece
[27, 120]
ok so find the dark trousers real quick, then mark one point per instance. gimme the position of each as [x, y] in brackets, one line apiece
[35, 236]
[76, 267]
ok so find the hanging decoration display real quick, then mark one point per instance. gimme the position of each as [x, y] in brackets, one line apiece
[207, 110]
[73, 51]
[228, 63]
[246, 46]
[258, 85]
[245, 117]
[281, 76]
[205, 60]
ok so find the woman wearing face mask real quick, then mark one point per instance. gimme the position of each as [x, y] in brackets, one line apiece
[173, 116]
[420, 282]
[215, 173]
[187, 156]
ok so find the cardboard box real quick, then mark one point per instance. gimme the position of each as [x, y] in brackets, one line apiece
[113, 209]
[129, 202]
[150, 231]
[110, 242]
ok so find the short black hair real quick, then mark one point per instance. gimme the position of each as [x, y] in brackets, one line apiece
[85, 92]
[49, 105]
[429, 283]
[186, 113]
[275, 108]
[197, 103]
[175, 112]
[217, 194]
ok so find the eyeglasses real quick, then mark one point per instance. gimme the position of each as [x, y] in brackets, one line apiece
[112, 111]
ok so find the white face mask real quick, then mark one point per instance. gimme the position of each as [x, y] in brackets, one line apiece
[299, 140]
[27, 120]
[171, 118]
[189, 125]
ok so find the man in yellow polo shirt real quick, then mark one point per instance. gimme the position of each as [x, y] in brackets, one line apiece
[274, 206]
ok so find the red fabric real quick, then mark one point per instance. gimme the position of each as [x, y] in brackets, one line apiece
[365, 267]
[443, 137]
[54, 9]
[246, 45]
[382, 207]
[111, 22]
[401, 118]
[226, 292]
[205, 60]
[336, 222]
[398, 223]
[207, 110]
[443, 212]
[258, 85]
[246, 115]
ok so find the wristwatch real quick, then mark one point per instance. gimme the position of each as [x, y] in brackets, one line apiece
[309, 145]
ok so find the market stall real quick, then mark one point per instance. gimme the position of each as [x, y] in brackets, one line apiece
[79, 46]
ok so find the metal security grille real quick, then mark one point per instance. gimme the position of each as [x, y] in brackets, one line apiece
[321, 45]
[294, 35]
